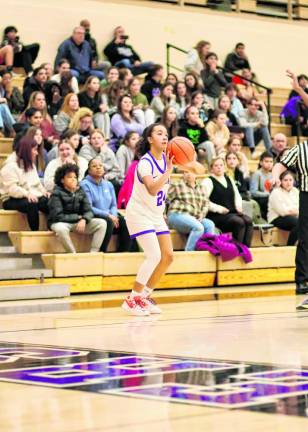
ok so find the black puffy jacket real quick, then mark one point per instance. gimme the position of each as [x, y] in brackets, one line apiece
[70, 207]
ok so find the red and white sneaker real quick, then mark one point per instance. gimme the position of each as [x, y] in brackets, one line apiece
[135, 306]
[151, 306]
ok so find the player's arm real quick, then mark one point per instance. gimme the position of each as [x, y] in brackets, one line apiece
[154, 186]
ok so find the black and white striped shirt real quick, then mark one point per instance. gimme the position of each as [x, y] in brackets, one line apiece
[297, 157]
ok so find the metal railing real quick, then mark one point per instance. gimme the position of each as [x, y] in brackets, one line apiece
[226, 71]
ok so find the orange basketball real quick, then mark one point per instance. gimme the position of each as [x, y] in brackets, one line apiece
[182, 149]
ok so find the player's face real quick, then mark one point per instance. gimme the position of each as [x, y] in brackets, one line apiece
[159, 138]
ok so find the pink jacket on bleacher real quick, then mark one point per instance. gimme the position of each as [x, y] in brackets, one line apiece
[127, 186]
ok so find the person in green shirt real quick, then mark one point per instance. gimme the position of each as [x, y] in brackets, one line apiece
[142, 112]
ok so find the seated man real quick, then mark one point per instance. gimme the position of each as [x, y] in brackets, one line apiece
[105, 65]
[255, 123]
[279, 145]
[24, 55]
[237, 59]
[70, 210]
[79, 54]
[122, 55]
[153, 83]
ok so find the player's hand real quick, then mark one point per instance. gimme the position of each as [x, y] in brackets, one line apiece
[294, 83]
[169, 162]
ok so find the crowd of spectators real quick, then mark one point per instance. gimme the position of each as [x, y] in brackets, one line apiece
[77, 123]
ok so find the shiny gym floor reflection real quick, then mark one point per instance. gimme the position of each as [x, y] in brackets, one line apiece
[232, 365]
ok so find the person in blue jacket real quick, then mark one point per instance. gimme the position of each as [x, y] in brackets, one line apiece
[78, 52]
[102, 198]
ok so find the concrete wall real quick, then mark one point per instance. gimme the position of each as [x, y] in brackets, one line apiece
[272, 45]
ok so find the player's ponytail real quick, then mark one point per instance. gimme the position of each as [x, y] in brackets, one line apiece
[143, 146]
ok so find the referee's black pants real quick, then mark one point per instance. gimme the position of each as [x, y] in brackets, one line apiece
[301, 273]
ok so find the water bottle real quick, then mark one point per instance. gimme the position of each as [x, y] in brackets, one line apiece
[282, 119]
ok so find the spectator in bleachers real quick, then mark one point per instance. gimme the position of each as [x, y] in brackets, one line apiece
[48, 69]
[88, 37]
[279, 145]
[66, 155]
[42, 159]
[99, 149]
[64, 69]
[153, 82]
[7, 121]
[70, 136]
[102, 198]
[91, 98]
[260, 183]
[112, 95]
[120, 54]
[38, 101]
[164, 99]
[54, 99]
[193, 128]
[237, 59]
[126, 152]
[142, 111]
[79, 54]
[21, 184]
[235, 145]
[70, 210]
[302, 80]
[213, 79]
[125, 76]
[225, 208]
[12, 95]
[169, 120]
[192, 83]
[233, 124]
[246, 90]
[35, 83]
[113, 75]
[255, 123]
[217, 131]
[236, 104]
[283, 207]
[200, 101]
[82, 123]
[172, 79]
[69, 107]
[195, 60]
[123, 121]
[24, 55]
[187, 210]
[182, 99]
[6, 58]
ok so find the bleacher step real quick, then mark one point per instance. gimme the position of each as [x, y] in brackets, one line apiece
[30, 292]
[8, 263]
[36, 273]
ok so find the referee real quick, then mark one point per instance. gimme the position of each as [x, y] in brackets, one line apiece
[297, 158]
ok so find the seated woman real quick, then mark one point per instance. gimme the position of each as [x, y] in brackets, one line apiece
[260, 183]
[187, 210]
[82, 123]
[193, 128]
[70, 210]
[217, 131]
[126, 152]
[22, 188]
[182, 99]
[169, 120]
[193, 83]
[112, 76]
[124, 121]
[70, 136]
[7, 121]
[42, 159]
[200, 101]
[226, 204]
[235, 145]
[69, 108]
[111, 96]
[164, 99]
[102, 199]
[144, 114]
[91, 98]
[66, 155]
[283, 207]
[98, 149]
[224, 104]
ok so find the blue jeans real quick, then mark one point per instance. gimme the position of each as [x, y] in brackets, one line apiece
[136, 70]
[6, 119]
[254, 136]
[83, 76]
[186, 224]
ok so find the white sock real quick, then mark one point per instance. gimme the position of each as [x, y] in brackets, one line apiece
[136, 293]
[147, 292]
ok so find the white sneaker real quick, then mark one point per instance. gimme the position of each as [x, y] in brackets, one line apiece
[152, 306]
[303, 306]
[135, 306]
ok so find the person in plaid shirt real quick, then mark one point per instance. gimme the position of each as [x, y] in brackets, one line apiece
[187, 209]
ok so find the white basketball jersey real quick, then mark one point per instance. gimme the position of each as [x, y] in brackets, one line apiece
[142, 203]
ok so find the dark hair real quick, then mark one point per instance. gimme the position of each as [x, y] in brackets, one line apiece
[6, 72]
[8, 29]
[63, 170]
[249, 102]
[112, 91]
[211, 54]
[174, 125]
[143, 145]
[109, 69]
[36, 70]
[172, 74]
[284, 174]
[62, 61]
[24, 154]
[89, 164]
[194, 94]
[187, 96]
[30, 112]
[265, 155]
[120, 108]
[69, 133]
[301, 76]
[40, 161]
[128, 135]
[196, 86]
[153, 70]
[216, 113]
[186, 112]
[230, 87]
[239, 44]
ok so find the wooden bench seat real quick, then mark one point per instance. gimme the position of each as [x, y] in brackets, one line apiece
[12, 220]
[6, 145]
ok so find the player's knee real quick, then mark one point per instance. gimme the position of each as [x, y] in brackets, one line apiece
[167, 257]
